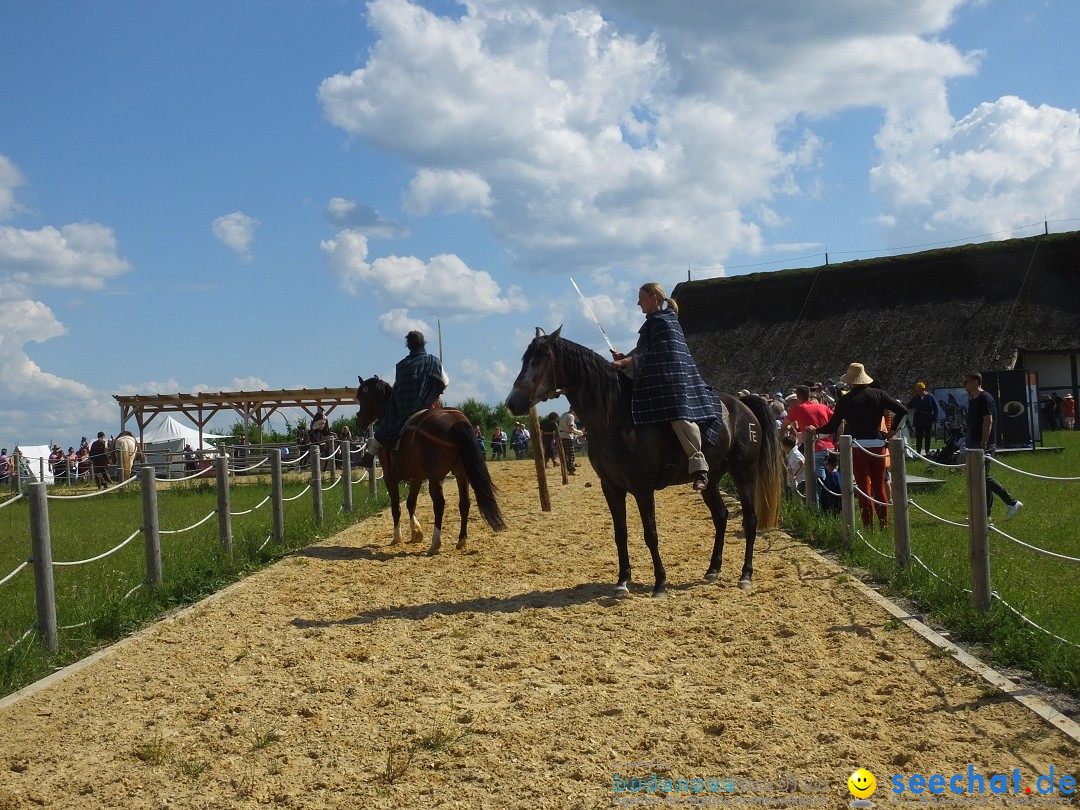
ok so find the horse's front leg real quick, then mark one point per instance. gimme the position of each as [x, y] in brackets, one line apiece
[719, 511]
[394, 488]
[438, 502]
[646, 502]
[463, 506]
[616, 501]
[415, 534]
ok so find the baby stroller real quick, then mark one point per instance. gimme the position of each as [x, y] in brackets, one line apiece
[949, 453]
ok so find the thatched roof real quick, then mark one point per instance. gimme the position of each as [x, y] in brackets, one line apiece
[924, 316]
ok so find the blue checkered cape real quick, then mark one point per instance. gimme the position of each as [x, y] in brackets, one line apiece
[418, 382]
[667, 383]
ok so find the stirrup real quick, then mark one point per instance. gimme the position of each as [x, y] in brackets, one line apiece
[701, 481]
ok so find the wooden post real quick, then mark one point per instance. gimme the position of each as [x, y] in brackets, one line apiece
[373, 485]
[346, 475]
[541, 464]
[900, 515]
[276, 498]
[847, 491]
[151, 533]
[41, 544]
[978, 533]
[562, 456]
[221, 472]
[316, 483]
[810, 469]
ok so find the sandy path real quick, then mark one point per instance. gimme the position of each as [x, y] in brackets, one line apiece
[363, 675]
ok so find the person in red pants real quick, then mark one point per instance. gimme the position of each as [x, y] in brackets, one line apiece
[861, 410]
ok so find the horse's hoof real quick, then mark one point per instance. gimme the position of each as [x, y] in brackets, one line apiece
[460, 545]
[712, 576]
[660, 593]
[431, 552]
[745, 585]
[622, 589]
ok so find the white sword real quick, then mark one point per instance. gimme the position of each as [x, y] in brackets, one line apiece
[592, 315]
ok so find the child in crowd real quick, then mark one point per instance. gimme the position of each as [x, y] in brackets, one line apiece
[796, 466]
[830, 489]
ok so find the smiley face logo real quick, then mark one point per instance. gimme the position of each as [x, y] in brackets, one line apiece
[862, 784]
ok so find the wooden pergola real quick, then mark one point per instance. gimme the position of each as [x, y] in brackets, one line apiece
[252, 406]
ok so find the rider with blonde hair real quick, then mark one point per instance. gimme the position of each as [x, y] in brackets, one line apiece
[667, 384]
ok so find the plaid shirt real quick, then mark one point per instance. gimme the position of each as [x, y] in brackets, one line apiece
[667, 383]
[418, 382]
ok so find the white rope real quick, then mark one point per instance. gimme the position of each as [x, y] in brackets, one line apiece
[299, 458]
[189, 528]
[259, 505]
[869, 450]
[1065, 557]
[298, 494]
[267, 540]
[203, 473]
[20, 639]
[236, 468]
[129, 593]
[338, 481]
[93, 494]
[871, 497]
[1032, 623]
[104, 554]
[937, 517]
[74, 626]
[1031, 474]
[872, 548]
[10, 501]
[18, 568]
[935, 575]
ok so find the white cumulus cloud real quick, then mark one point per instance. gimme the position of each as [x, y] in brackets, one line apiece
[449, 192]
[236, 231]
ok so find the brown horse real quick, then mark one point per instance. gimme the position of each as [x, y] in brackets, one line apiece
[435, 442]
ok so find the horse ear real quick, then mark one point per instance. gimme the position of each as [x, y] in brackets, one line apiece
[539, 332]
[358, 377]
[555, 334]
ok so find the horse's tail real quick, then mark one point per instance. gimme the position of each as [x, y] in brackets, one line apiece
[770, 473]
[463, 434]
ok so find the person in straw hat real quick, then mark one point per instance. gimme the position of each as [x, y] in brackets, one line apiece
[861, 410]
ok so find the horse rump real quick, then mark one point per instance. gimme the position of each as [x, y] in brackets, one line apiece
[463, 434]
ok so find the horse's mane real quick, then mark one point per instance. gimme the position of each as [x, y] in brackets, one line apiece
[381, 386]
[592, 377]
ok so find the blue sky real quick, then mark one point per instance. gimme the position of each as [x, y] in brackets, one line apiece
[222, 196]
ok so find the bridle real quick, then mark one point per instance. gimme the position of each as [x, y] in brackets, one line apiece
[548, 366]
[379, 414]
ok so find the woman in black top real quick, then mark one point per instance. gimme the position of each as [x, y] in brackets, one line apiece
[861, 410]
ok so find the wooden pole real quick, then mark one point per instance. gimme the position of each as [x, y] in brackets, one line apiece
[151, 533]
[900, 515]
[41, 544]
[847, 491]
[221, 472]
[978, 531]
[277, 500]
[346, 476]
[316, 483]
[538, 459]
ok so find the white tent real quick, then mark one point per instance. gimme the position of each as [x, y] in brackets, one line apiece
[164, 445]
[32, 458]
[168, 430]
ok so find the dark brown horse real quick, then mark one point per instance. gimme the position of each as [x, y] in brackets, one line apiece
[435, 442]
[642, 459]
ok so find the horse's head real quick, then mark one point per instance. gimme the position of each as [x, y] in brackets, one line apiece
[372, 396]
[536, 381]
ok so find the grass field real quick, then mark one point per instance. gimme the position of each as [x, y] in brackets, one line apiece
[1045, 589]
[102, 601]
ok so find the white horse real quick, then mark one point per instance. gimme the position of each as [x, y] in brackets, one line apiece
[126, 447]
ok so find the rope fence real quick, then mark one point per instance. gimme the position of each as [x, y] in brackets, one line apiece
[978, 526]
[43, 564]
